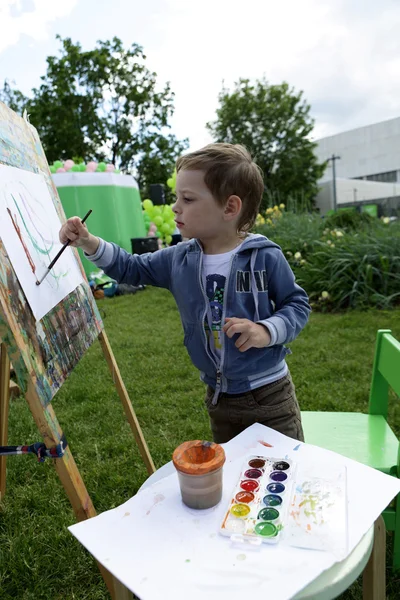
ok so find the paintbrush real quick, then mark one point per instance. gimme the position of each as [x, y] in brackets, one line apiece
[55, 259]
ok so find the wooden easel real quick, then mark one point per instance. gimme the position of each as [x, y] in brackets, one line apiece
[51, 432]
[43, 362]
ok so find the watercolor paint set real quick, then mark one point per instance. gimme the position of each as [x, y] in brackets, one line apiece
[258, 508]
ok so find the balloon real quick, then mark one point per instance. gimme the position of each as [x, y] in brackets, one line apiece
[110, 168]
[101, 166]
[168, 239]
[147, 204]
[75, 168]
[117, 171]
[82, 167]
[171, 182]
[158, 234]
[172, 228]
[165, 228]
[157, 211]
[91, 166]
[158, 220]
[52, 169]
[58, 164]
[60, 170]
[68, 164]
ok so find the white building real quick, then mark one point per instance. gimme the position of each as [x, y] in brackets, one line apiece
[368, 170]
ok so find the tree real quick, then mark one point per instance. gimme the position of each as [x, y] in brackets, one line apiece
[104, 104]
[273, 122]
[13, 98]
[157, 164]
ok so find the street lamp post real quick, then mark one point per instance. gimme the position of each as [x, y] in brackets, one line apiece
[334, 158]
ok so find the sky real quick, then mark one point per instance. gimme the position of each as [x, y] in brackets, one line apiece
[343, 54]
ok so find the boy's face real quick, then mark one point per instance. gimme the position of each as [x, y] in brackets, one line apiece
[197, 214]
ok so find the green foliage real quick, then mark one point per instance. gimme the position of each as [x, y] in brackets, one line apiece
[294, 232]
[274, 123]
[103, 104]
[13, 98]
[357, 271]
[341, 269]
[349, 219]
[331, 366]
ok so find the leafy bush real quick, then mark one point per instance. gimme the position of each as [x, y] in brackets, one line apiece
[338, 269]
[357, 271]
[294, 232]
[349, 220]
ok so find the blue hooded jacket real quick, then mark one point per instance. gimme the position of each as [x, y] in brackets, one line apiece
[260, 287]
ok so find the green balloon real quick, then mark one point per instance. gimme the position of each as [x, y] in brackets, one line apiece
[102, 166]
[165, 228]
[158, 234]
[171, 182]
[168, 239]
[75, 168]
[158, 221]
[147, 204]
[52, 169]
[157, 211]
[117, 171]
[58, 164]
[82, 167]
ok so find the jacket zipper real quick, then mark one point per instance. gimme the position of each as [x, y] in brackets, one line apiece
[205, 315]
[222, 324]
[219, 376]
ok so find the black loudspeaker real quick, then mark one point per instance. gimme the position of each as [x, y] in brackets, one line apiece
[157, 194]
[143, 245]
[176, 238]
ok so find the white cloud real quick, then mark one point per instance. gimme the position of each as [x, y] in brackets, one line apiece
[344, 55]
[32, 18]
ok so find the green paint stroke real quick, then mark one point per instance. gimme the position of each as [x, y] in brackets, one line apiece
[33, 240]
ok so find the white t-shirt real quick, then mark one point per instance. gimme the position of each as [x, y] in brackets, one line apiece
[216, 269]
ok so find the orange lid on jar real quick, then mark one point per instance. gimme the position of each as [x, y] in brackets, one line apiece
[198, 457]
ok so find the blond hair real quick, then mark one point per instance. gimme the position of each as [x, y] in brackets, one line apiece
[229, 170]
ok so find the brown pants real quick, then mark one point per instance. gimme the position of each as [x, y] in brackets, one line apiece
[274, 405]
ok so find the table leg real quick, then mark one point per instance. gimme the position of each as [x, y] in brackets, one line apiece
[374, 578]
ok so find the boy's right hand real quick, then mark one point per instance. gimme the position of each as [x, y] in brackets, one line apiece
[79, 236]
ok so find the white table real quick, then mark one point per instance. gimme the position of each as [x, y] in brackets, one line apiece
[332, 582]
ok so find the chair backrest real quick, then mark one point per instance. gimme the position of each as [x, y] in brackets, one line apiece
[385, 372]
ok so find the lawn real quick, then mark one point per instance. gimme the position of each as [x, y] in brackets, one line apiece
[39, 559]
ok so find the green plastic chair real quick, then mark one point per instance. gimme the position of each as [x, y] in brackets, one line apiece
[367, 438]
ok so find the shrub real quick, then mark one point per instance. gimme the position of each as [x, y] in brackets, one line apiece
[345, 267]
[349, 220]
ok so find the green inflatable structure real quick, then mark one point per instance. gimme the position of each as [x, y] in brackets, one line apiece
[115, 200]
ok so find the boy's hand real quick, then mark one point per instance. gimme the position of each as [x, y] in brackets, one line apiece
[253, 335]
[77, 232]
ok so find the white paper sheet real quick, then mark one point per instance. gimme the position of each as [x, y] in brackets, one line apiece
[29, 227]
[160, 548]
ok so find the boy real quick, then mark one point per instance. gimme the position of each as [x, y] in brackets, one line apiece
[236, 294]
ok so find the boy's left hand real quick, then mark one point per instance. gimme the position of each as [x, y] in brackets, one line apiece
[253, 335]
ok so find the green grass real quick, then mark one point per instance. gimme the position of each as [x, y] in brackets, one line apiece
[39, 559]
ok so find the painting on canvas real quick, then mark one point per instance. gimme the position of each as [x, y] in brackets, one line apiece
[29, 227]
